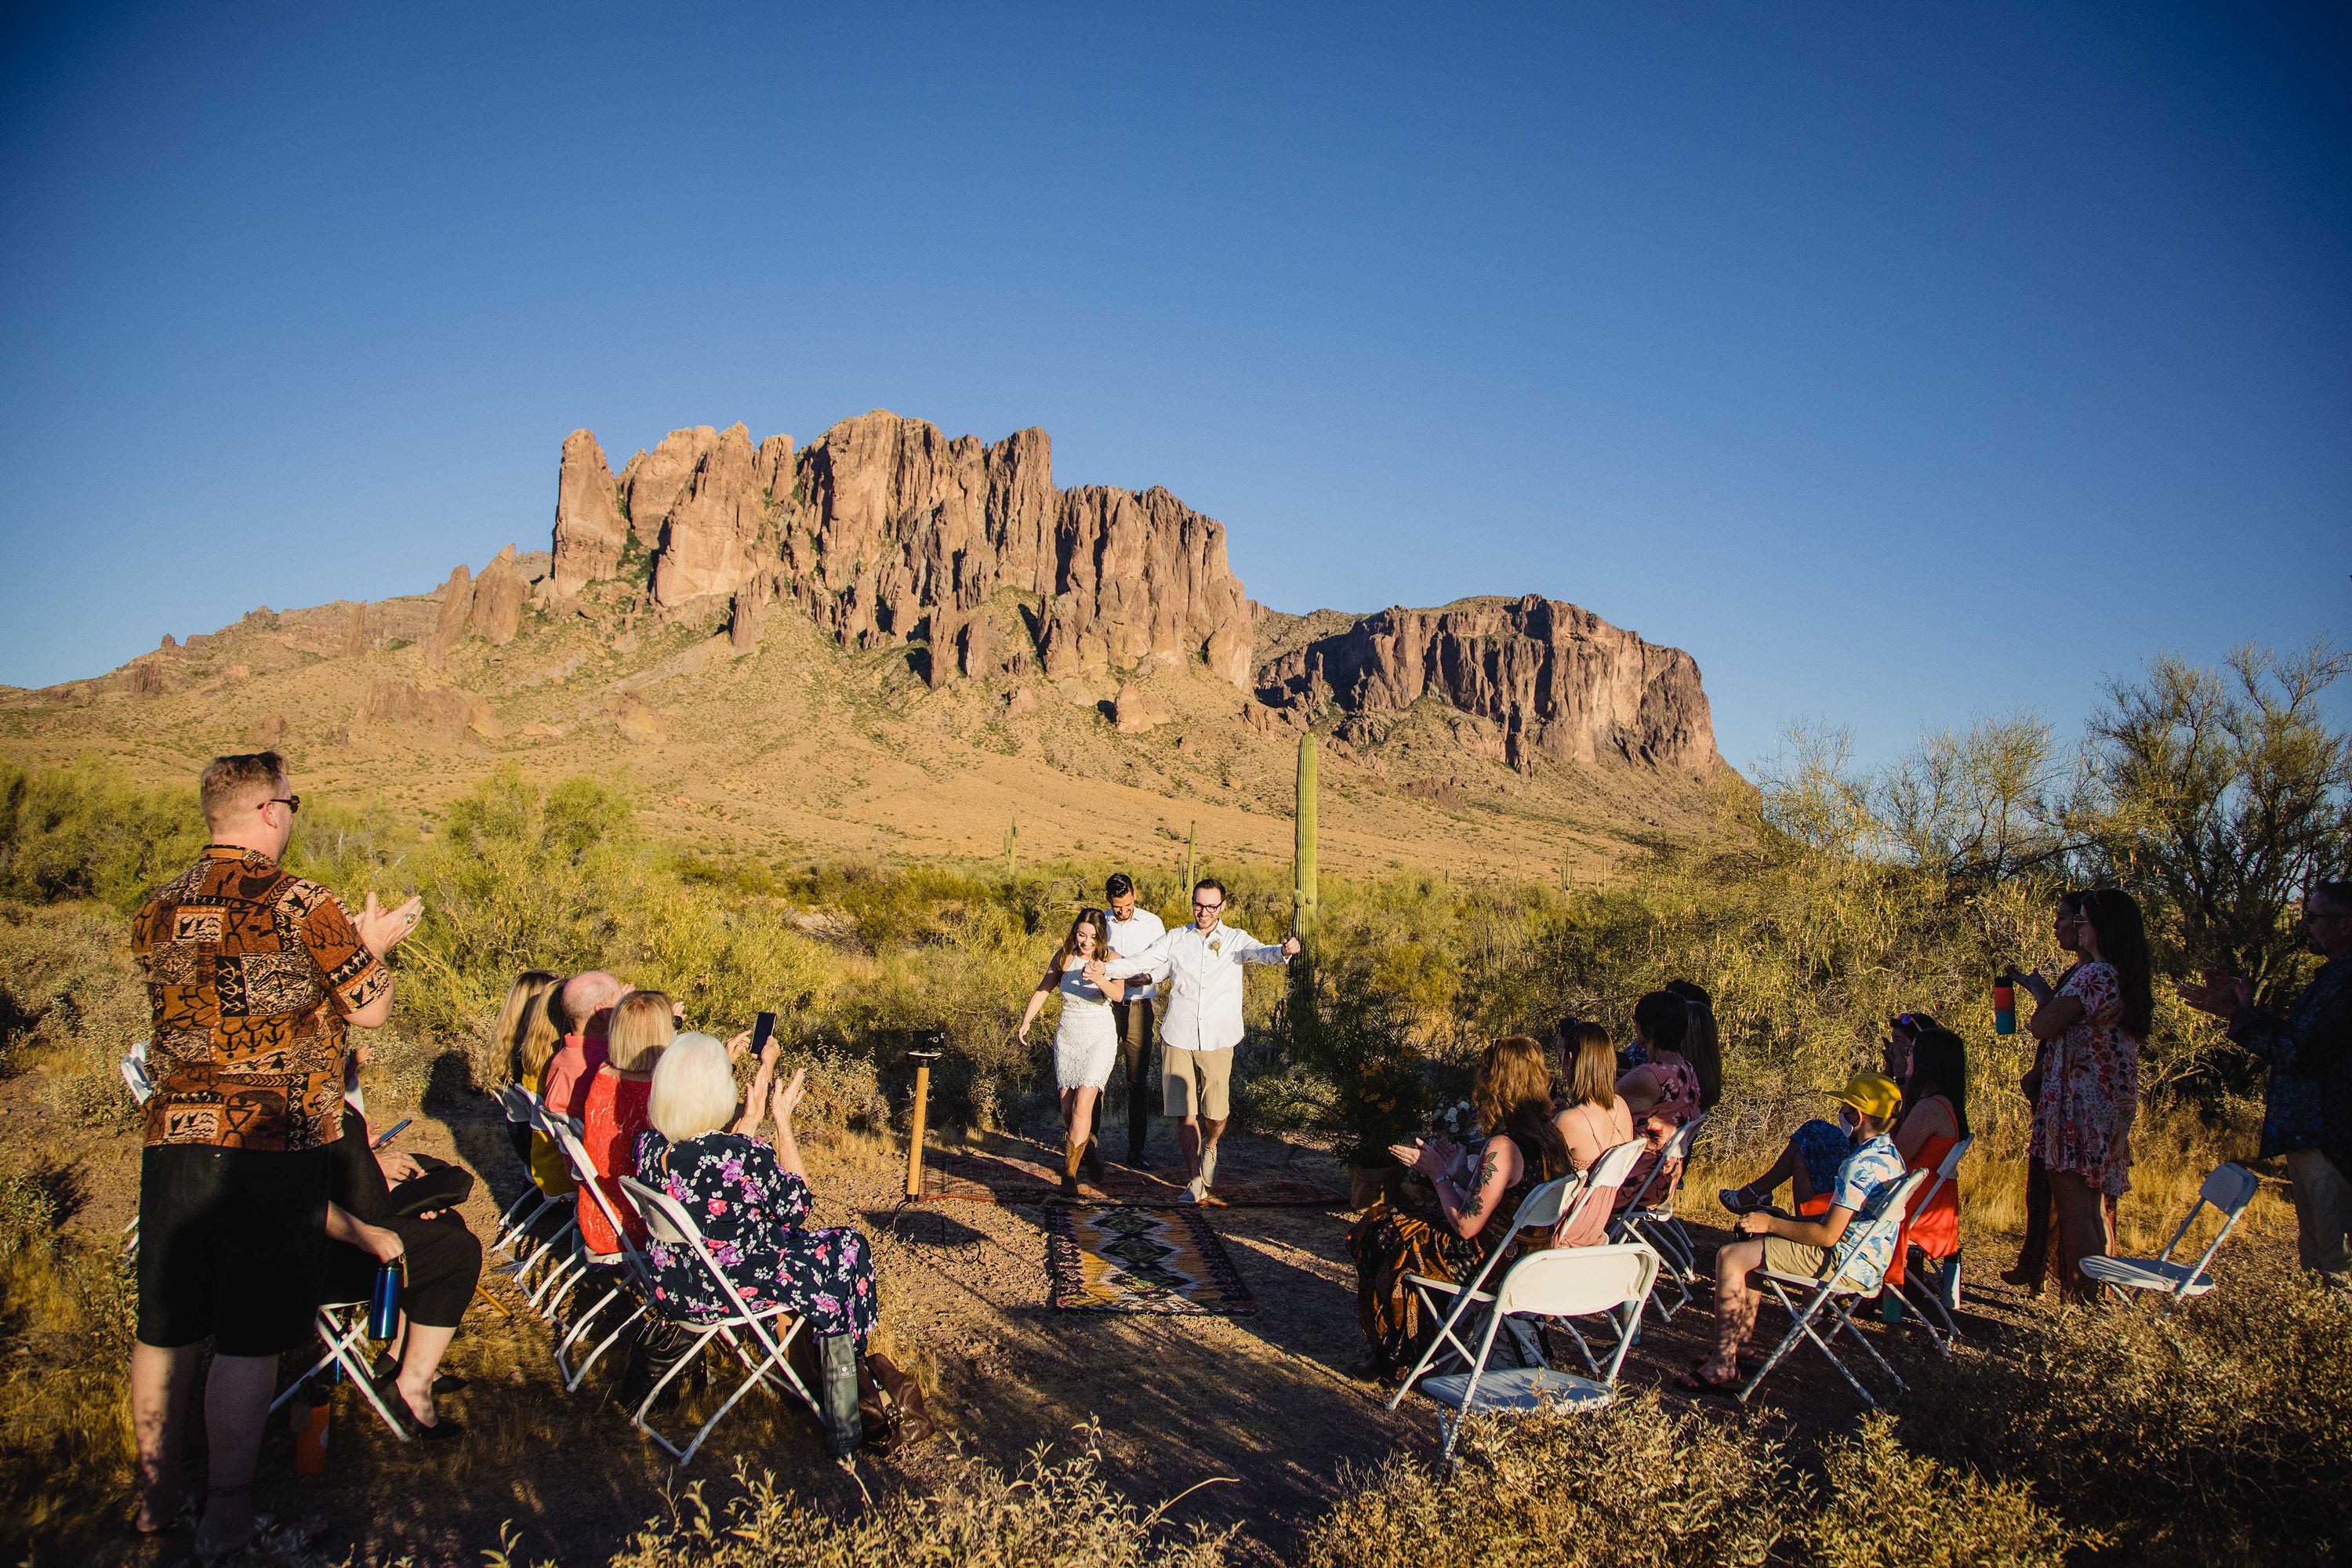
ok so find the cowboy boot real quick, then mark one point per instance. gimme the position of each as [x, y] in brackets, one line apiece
[910, 1421]
[1071, 1155]
[1091, 1160]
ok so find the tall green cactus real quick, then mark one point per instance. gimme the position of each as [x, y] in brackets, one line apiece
[1191, 831]
[1302, 863]
[1013, 850]
[1303, 1016]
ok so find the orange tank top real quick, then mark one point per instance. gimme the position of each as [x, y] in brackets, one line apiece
[1933, 1224]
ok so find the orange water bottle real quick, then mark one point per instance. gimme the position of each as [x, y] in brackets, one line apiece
[310, 1430]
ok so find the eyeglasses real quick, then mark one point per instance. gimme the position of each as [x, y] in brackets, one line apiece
[1200, 908]
[292, 803]
[1906, 1022]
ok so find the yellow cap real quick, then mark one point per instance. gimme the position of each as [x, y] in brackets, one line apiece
[1871, 1093]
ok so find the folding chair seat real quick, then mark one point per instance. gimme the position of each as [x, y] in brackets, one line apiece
[561, 1130]
[1838, 1294]
[2229, 1190]
[668, 1223]
[343, 1326]
[1543, 1207]
[1650, 1216]
[1937, 1281]
[1559, 1282]
[626, 1274]
[521, 1106]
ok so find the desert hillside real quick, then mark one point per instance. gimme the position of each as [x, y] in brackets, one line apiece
[896, 644]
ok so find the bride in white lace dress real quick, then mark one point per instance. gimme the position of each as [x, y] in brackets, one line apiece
[1085, 1043]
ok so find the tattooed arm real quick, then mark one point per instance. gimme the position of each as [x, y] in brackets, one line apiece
[1468, 1212]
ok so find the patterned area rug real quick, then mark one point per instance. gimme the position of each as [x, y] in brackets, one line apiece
[1119, 1259]
[1253, 1173]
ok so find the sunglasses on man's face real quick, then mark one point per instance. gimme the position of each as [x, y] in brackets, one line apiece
[292, 803]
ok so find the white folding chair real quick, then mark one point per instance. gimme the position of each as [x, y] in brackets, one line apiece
[1839, 1293]
[668, 1223]
[343, 1325]
[134, 1074]
[625, 1269]
[1540, 1207]
[553, 1125]
[1558, 1282]
[1936, 1282]
[1650, 1216]
[2228, 1189]
[518, 1106]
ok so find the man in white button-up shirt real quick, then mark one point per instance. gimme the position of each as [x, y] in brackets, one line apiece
[1203, 1024]
[1129, 927]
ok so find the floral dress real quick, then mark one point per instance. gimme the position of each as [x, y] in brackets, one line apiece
[2090, 1088]
[751, 1210]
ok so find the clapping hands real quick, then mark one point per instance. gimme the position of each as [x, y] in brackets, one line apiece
[382, 929]
[2222, 995]
[788, 1096]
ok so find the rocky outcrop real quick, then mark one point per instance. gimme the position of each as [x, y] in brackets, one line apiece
[590, 531]
[1555, 681]
[886, 531]
[499, 593]
[447, 711]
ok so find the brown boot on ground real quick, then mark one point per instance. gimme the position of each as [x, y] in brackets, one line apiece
[907, 1422]
[1091, 1163]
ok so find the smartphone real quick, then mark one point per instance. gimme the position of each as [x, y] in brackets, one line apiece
[764, 1028]
[391, 1132]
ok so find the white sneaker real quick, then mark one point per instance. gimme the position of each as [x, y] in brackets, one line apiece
[1194, 1191]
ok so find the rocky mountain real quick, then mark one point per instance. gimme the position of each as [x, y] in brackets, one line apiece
[1554, 680]
[893, 642]
[887, 533]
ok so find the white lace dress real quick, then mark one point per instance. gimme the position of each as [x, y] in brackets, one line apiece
[1085, 1042]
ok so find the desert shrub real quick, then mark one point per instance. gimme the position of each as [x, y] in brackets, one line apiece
[67, 1308]
[85, 832]
[1630, 1485]
[2223, 1434]
[71, 999]
[1046, 1513]
[1885, 1507]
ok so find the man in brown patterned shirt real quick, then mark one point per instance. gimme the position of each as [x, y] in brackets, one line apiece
[253, 976]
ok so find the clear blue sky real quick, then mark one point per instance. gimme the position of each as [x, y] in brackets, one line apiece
[1901, 362]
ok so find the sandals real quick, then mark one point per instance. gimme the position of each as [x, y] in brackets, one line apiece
[1696, 1381]
[1742, 1200]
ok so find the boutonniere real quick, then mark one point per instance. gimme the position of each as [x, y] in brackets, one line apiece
[1217, 945]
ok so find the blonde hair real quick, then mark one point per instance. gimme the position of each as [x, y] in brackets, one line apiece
[1512, 1073]
[232, 783]
[693, 1090]
[642, 1026]
[524, 1030]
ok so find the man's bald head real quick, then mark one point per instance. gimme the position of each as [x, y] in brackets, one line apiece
[589, 994]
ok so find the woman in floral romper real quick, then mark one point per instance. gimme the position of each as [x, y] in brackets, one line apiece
[2094, 1023]
[751, 1203]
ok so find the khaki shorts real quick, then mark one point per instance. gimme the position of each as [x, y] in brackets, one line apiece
[1196, 1083]
[1783, 1256]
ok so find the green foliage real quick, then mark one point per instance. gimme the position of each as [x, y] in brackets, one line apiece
[1046, 1515]
[71, 1000]
[82, 832]
[2221, 1434]
[1883, 1506]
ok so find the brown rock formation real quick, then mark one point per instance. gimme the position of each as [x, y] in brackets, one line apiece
[355, 634]
[499, 593]
[1556, 680]
[1136, 710]
[448, 711]
[589, 528]
[456, 607]
[884, 530]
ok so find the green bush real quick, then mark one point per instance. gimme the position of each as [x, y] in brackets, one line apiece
[83, 832]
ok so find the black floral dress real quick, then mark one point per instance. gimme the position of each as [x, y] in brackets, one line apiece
[751, 1210]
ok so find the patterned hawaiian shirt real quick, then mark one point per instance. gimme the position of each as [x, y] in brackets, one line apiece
[1865, 1183]
[251, 971]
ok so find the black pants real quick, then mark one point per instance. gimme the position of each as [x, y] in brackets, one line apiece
[444, 1259]
[1133, 1021]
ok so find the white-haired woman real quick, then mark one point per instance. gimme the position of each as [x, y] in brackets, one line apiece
[751, 1202]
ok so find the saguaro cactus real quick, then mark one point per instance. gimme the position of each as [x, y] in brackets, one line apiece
[1191, 830]
[1302, 863]
[1013, 850]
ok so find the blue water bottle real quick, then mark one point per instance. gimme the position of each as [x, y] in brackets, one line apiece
[2004, 1005]
[383, 1312]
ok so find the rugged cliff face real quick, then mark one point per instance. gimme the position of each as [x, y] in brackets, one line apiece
[884, 530]
[1556, 680]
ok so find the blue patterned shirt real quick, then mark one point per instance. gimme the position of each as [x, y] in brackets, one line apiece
[1865, 1183]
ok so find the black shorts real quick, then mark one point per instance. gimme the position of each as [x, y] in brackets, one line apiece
[232, 1243]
